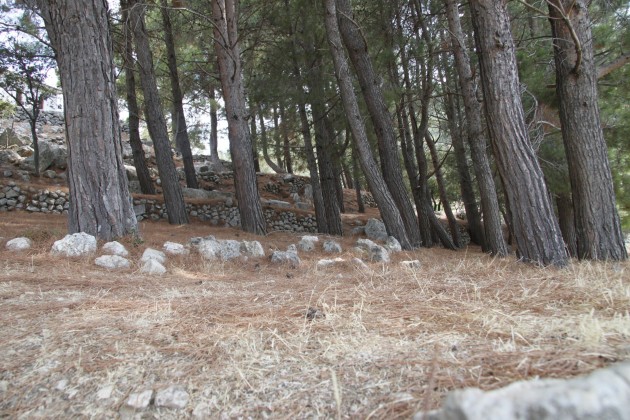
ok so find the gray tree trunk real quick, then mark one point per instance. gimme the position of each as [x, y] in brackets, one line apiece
[214, 128]
[386, 204]
[598, 227]
[179, 118]
[100, 203]
[156, 124]
[228, 56]
[139, 159]
[487, 191]
[265, 144]
[381, 119]
[536, 231]
[566, 218]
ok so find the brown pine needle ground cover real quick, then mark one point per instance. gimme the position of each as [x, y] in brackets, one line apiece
[391, 341]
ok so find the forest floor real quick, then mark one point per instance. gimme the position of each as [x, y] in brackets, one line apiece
[76, 340]
[385, 341]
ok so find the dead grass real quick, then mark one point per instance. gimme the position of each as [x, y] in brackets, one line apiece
[393, 340]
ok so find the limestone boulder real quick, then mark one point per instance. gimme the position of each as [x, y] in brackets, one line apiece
[375, 230]
[19, 244]
[604, 394]
[75, 245]
[112, 262]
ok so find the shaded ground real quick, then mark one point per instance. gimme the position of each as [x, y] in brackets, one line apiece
[235, 336]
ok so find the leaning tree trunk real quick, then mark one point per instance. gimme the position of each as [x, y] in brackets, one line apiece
[465, 181]
[228, 56]
[370, 84]
[179, 118]
[173, 197]
[100, 203]
[139, 159]
[536, 231]
[481, 165]
[598, 227]
[386, 204]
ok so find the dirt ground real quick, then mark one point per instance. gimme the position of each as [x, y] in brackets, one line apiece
[76, 340]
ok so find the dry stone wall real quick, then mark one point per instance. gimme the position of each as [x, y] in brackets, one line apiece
[219, 213]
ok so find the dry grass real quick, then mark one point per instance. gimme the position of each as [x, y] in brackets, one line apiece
[393, 341]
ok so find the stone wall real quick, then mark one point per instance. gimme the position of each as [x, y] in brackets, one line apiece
[216, 212]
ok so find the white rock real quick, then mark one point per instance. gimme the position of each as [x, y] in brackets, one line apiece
[153, 254]
[209, 248]
[19, 244]
[604, 394]
[75, 245]
[332, 246]
[378, 254]
[229, 249]
[173, 248]
[61, 384]
[375, 229]
[327, 263]
[115, 248]
[410, 264]
[364, 244]
[252, 249]
[201, 411]
[112, 262]
[152, 266]
[105, 392]
[285, 257]
[307, 243]
[172, 397]
[360, 264]
[392, 245]
[139, 400]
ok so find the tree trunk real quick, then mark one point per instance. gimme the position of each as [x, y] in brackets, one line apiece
[598, 227]
[156, 124]
[450, 217]
[34, 136]
[566, 217]
[465, 181]
[179, 118]
[100, 203]
[277, 140]
[536, 232]
[139, 159]
[214, 128]
[357, 183]
[379, 114]
[386, 204]
[324, 159]
[265, 144]
[487, 191]
[228, 56]
[254, 137]
[285, 140]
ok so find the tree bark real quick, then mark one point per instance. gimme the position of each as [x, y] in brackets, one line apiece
[179, 118]
[228, 56]
[173, 198]
[100, 203]
[487, 191]
[465, 181]
[536, 232]
[265, 144]
[598, 228]
[254, 137]
[139, 159]
[450, 217]
[386, 204]
[381, 119]
[566, 217]
[214, 128]
[286, 145]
